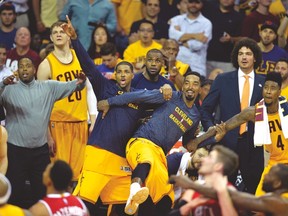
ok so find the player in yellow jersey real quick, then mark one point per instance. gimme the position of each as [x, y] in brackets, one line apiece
[136, 52]
[271, 124]
[68, 128]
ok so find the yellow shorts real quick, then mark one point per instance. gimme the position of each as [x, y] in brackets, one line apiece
[144, 151]
[104, 175]
[71, 139]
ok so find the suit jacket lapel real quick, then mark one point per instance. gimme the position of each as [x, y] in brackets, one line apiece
[257, 89]
[235, 84]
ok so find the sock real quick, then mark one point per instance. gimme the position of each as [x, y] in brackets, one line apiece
[135, 186]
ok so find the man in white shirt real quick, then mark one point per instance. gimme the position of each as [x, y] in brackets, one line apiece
[193, 31]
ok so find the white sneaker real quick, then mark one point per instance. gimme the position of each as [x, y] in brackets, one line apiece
[136, 197]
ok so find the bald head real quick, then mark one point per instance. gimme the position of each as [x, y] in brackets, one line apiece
[5, 189]
[23, 37]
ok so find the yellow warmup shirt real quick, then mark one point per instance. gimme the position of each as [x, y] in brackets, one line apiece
[129, 11]
[136, 50]
[98, 61]
[279, 148]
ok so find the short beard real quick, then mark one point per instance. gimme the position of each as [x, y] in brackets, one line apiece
[8, 25]
[267, 43]
[190, 98]
[152, 76]
[268, 104]
[228, 7]
[284, 78]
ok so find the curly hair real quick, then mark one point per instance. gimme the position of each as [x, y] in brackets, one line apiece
[252, 45]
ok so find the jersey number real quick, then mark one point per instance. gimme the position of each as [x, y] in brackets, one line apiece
[77, 95]
[279, 143]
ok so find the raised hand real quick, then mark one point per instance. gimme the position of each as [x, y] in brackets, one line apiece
[9, 80]
[226, 38]
[166, 91]
[69, 29]
[81, 78]
[220, 131]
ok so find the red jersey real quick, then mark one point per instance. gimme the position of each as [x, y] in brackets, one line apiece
[13, 57]
[211, 208]
[64, 205]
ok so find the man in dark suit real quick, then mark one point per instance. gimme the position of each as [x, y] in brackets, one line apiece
[226, 94]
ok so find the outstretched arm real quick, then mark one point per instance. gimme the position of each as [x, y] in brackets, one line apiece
[219, 131]
[141, 96]
[246, 115]
[203, 140]
[89, 68]
[267, 203]
[187, 183]
[165, 93]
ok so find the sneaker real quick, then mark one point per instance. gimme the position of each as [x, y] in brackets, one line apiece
[136, 198]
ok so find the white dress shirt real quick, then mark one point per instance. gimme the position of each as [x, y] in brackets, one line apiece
[196, 54]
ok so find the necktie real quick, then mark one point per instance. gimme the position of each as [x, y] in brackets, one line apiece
[245, 101]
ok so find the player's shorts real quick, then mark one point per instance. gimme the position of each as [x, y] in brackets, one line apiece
[139, 150]
[105, 175]
[71, 139]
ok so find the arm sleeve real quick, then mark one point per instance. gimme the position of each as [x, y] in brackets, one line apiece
[91, 99]
[2, 87]
[195, 45]
[141, 96]
[65, 11]
[190, 134]
[173, 33]
[64, 89]
[111, 21]
[97, 80]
